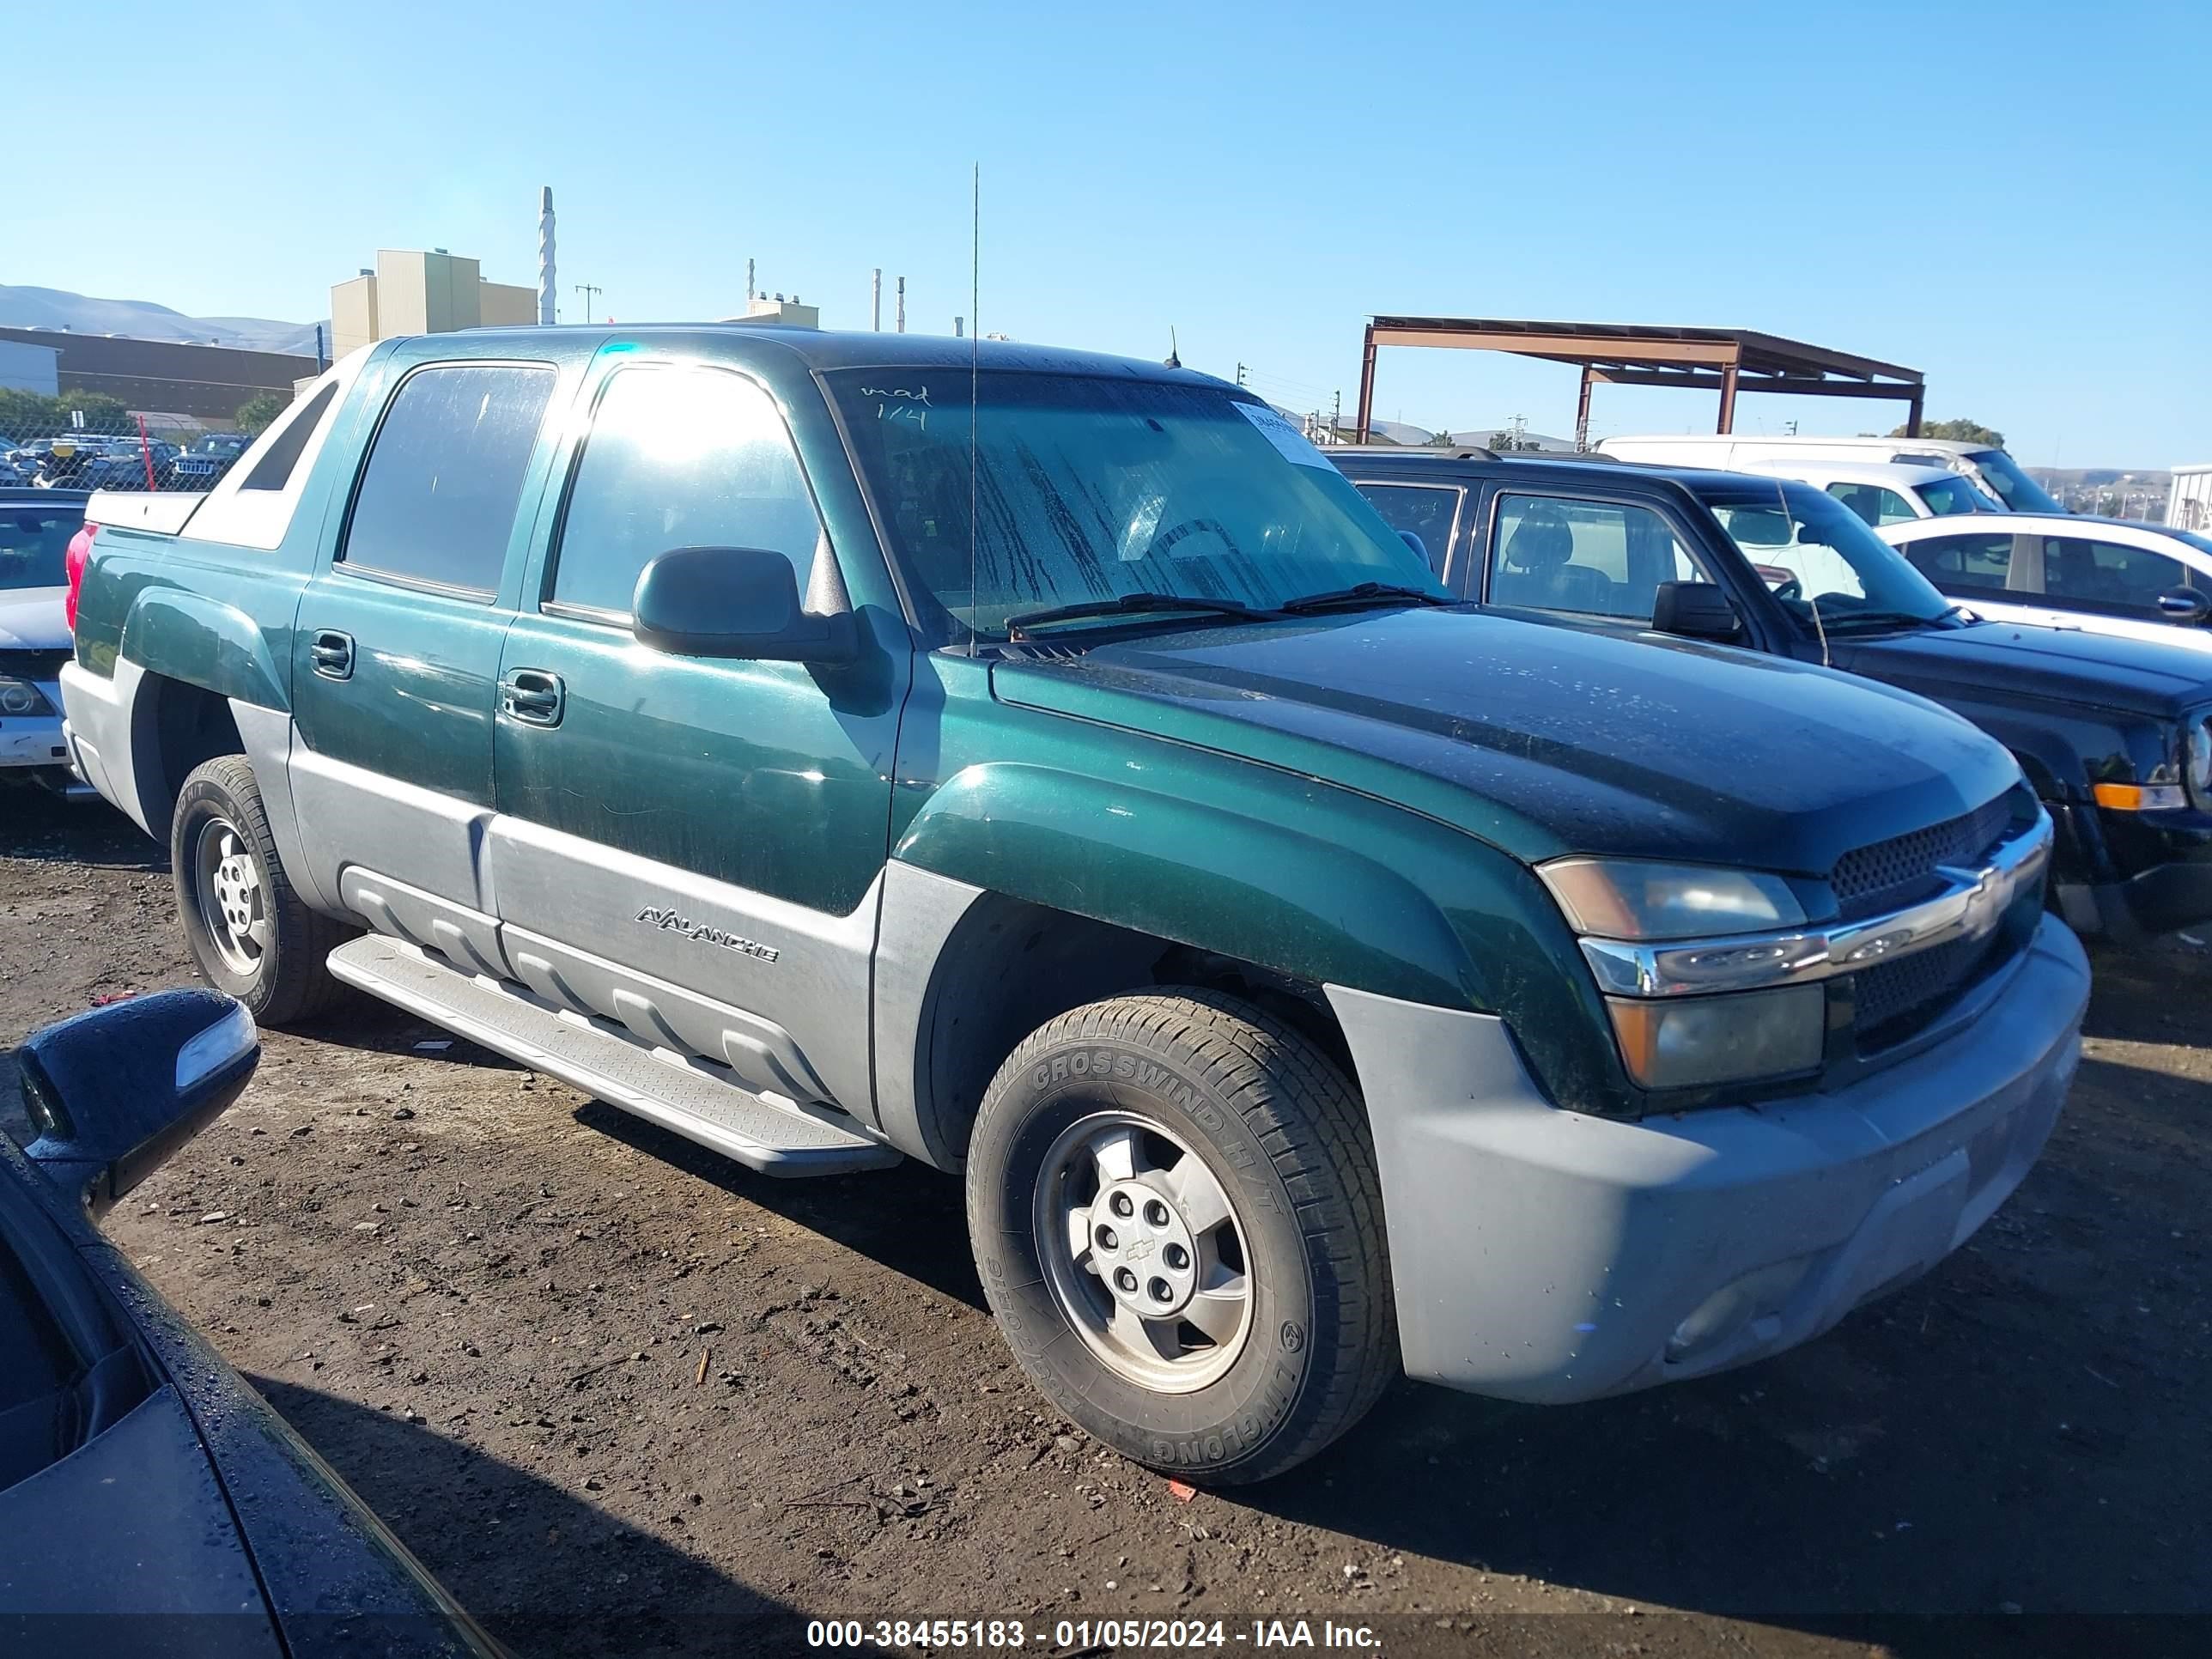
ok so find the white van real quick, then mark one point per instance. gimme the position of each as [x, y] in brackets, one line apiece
[1884, 492]
[1996, 472]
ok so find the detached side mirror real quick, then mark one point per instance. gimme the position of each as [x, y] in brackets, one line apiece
[735, 602]
[1696, 611]
[2184, 605]
[112, 1093]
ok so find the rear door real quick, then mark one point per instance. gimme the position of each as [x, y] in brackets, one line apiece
[689, 846]
[396, 651]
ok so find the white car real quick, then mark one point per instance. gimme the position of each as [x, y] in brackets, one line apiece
[35, 528]
[2062, 570]
[1989, 468]
[1883, 493]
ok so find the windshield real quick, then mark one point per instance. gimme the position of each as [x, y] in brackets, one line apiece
[1087, 489]
[219, 446]
[1812, 550]
[32, 539]
[2014, 487]
[1946, 497]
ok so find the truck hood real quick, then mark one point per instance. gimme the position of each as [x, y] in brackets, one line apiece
[1545, 739]
[2020, 660]
[32, 619]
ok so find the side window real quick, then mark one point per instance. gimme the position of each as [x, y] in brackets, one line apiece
[1429, 511]
[679, 458]
[2108, 575]
[437, 499]
[1963, 564]
[1875, 505]
[1595, 558]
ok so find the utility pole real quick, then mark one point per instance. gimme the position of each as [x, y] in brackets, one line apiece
[1240, 375]
[589, 292]
[876, 301]
[902, 304]
[1336, 411]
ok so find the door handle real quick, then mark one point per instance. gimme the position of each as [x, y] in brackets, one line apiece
[533, 697]
[331, 652]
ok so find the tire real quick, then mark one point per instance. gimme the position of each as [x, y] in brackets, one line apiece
[250, 933]
[1187, 1073]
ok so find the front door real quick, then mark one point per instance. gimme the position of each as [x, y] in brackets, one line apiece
[692, 847]
[396, 652]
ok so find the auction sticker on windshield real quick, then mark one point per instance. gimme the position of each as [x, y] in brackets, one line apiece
[1285, 436]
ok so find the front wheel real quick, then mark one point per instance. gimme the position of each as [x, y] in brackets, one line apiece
[249, 932]
[1174, 1206]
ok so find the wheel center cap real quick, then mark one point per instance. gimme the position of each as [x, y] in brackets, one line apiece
[1142, 1249]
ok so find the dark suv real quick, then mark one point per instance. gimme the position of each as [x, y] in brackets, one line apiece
[2116, 734]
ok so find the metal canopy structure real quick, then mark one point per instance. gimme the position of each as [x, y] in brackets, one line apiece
[1727, 361]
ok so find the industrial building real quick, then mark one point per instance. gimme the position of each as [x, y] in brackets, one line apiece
[188, 385]
[421, 293]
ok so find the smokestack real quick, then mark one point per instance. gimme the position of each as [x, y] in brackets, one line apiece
[902, 304]
[876, 303]
[749, 282]
[545, 289]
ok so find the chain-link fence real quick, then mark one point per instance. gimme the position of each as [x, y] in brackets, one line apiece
[106, 449]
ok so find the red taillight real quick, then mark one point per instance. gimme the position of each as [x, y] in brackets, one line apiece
[73, 563]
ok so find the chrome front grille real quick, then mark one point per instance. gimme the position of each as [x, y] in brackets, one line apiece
[1888, 875]
[1894, 1000]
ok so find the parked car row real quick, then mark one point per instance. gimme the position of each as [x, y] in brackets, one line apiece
[92, 460]
[1320, 951]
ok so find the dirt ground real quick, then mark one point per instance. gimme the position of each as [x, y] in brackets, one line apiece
[624, 1397]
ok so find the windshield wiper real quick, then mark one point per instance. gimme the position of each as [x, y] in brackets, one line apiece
[1850, 621]
[1129, 604]
[1362, 593]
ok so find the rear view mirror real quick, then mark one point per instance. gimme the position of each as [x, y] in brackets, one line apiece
[735, 602]
[1696, 611]
[112, 1093]
[2184, 605]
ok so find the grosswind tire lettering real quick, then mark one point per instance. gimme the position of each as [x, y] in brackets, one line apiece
[1175, 1210]
[250, 933]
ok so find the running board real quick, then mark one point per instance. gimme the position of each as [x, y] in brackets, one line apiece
[678, 1094]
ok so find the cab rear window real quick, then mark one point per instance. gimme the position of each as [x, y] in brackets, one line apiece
[437, 499]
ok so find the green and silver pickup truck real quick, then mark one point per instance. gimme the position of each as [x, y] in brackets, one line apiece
[839, 748]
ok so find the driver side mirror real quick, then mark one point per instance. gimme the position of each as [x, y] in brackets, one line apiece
[2184, 605]
[1695, 611]
[734, 602]
[113, 1093]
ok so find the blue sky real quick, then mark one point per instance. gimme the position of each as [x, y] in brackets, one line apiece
[2018, 201]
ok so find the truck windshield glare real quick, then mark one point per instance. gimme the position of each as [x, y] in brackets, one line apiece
[1812, 550]
[1088, 489]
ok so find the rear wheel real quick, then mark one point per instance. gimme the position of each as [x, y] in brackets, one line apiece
[249, 932]
[1174, 1206]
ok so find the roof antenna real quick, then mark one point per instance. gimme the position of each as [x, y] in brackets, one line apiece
[1174, 359]
[975, 336]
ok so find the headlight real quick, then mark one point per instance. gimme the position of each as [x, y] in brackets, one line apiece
[21, 698]
[2196, 761]
[1691, 1042]
[1629, 898]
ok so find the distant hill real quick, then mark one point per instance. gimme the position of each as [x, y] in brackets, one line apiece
[141, 320]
